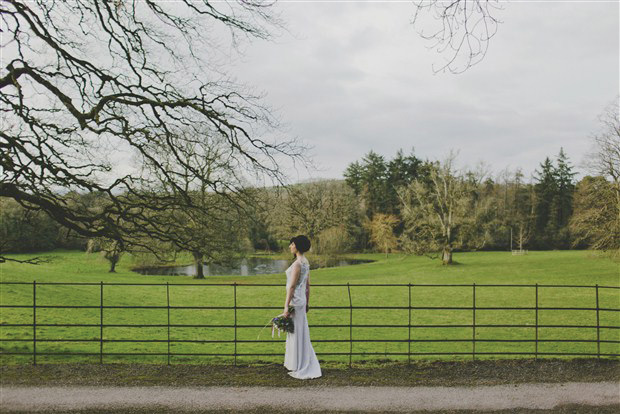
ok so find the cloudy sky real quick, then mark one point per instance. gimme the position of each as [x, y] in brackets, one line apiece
[351, 77]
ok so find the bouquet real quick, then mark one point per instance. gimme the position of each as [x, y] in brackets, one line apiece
[281, 323]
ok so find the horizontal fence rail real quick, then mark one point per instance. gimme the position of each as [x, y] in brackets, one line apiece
[411, 341]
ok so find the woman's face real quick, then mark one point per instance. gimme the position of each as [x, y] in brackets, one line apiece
[293, 248]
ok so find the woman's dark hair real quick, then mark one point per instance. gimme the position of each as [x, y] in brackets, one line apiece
[302, 243]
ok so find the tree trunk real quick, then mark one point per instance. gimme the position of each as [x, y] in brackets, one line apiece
[198, 262]
[113, 257]
[446, 256]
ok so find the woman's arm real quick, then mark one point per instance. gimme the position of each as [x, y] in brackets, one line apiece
[291, 289]
[308, 293]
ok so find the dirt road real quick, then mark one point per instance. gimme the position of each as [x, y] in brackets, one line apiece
[397, 399]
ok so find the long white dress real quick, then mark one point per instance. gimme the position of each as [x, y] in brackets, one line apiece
[299, 357]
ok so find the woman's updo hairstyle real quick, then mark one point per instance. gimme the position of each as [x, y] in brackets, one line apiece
[302, 243]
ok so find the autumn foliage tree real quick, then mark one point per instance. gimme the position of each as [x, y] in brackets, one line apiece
[381, 229]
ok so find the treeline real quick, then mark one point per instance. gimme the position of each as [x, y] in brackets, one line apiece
[435, 205]
[399, 204]
[537, 211]
[212, 230]
[24, 231]
[431, 207]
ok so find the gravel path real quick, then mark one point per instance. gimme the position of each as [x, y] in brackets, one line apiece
[497, 397]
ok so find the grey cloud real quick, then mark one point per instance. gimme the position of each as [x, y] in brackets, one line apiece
[355, 78]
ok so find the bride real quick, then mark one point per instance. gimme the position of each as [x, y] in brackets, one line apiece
[299, 357]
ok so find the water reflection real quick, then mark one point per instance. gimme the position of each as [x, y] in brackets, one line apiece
[245, 267]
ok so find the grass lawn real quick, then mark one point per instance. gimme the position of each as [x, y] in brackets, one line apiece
[547, 268]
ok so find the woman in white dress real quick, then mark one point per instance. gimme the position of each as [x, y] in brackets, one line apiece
[299, 357]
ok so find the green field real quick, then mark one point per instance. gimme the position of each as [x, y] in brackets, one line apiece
[546, 268]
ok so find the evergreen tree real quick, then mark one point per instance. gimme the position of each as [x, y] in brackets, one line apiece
[546, 190]
[374, 178]
[401, 171]
[564, 200]
[376, 181]
[554, 198]
[353, 177]
[566, 188]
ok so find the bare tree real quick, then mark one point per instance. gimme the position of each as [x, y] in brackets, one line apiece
[438, 213]
[111, 250]
[464, 29]
[516, 207]
[315, 208]
[594, 223]
[210, 227]
[334, 240]
[85, 82]
[596, 218]
[604, 160]
[523, 234]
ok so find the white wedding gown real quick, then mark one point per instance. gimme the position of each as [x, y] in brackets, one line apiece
[299, 357]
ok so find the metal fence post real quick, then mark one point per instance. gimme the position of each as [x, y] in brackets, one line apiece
[409, 328]
[235, 294]
[101, 323]
[168, 303]
[474, 323]
[598, 327]
[34, 322]
[350, 326]
[536, 327]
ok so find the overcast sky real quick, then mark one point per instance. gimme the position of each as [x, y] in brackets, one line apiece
[351, 77]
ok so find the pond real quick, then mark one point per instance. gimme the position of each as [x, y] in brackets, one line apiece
[245, 267]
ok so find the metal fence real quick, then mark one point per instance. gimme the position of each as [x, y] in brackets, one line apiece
[411, 340]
